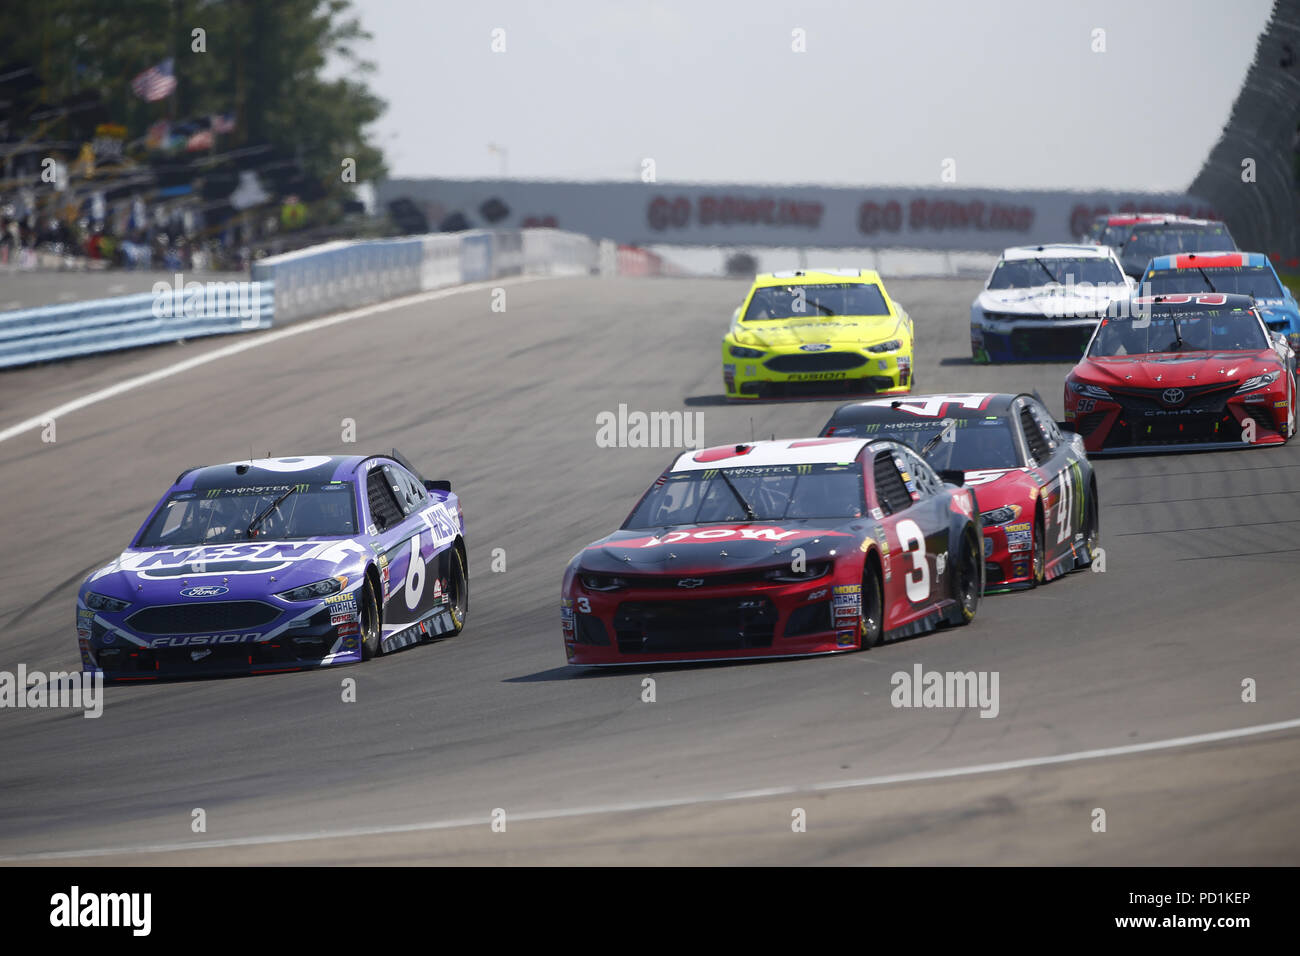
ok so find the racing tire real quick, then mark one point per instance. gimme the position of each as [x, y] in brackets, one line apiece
[872, 623]
[967, 579]
[1091, 527]
[1039, 568]
[1291, 412]
[458, 592]
[368, 617]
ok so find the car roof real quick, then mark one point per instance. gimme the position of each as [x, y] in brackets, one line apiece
[1176, 221]
[1191, 301]
[271, 472]
[1128, 218]
[1057, 250]
[757, 454]
[916, 407]
[815, 276]
[1208, 260]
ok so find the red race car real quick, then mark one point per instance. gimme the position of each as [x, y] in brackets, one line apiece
[777, 549]
[1036, 487]
[1196, 370]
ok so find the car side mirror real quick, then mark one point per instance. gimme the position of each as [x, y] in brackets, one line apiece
[437, 485]
[953, 476]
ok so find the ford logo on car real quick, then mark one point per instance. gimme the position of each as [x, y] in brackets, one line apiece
[207, 590]
[817, 347]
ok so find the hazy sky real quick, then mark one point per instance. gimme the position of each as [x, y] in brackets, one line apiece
[711, 90]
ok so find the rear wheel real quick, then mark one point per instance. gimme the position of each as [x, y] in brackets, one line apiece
[872, 625]
[967, 582]
[458, 591]
[1290, 411]
[368, 615]
[1092, 526]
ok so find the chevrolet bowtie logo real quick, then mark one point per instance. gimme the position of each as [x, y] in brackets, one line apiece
[690, 582]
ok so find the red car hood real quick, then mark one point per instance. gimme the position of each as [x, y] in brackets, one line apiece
[1168, 369]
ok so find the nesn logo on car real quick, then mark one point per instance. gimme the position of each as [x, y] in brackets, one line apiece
[816, 347]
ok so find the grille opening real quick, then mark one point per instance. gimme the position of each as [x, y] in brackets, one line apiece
[202, 618]
[712, 624]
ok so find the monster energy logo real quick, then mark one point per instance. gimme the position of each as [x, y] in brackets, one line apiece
[258, 490]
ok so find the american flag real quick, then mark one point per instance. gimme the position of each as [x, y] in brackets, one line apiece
[155, 83]
[223, 123]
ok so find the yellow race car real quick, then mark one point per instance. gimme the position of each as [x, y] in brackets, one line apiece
[817, 332]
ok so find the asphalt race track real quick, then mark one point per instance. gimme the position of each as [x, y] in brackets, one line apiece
[1196, 598]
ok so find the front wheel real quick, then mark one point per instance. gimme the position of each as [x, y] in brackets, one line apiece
[872, 625]
[371, 636]
[1040, 552]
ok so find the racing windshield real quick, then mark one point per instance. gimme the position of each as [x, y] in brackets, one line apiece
[1167, 240]
[819, 299]
[1258, 281]
[224, 515]
[1028, 273]
[773, 492]
[971, 444]
[1228, 330]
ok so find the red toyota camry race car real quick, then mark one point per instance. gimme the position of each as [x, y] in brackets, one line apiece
[1195, 370]
[1036, 487]
[777, 549]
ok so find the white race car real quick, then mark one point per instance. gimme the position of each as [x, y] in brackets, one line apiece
[1041, 303]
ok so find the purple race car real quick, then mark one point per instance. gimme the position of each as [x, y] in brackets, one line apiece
[279, 564]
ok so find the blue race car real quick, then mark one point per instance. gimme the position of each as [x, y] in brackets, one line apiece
[279, 564]
[1241, 273]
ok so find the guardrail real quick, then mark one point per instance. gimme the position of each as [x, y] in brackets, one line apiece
[129, 321]
[313, 281]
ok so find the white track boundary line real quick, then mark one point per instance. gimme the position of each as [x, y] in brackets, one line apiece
[252, 342]
[1172, 743]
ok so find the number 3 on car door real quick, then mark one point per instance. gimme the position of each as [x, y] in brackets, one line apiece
[917, 577]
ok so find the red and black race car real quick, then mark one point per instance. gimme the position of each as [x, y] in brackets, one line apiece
[777, 549]
[1036, 488]
[1196, 370]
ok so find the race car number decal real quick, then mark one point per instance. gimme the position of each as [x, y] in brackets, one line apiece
[933, 406]
[913, 542]
[1064, 508]
[1204, 298]
[414, 575]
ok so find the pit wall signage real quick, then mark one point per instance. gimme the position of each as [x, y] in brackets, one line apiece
[635, 213]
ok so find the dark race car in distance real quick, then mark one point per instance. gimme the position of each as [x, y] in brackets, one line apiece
[279, 564]
[1112, 229]
[1037, 490]
[1183, 372]
[776, 549]
[1169, 236]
